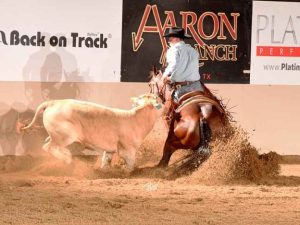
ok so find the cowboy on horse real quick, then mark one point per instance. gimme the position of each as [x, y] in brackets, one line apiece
[182, 73]
[191, 110]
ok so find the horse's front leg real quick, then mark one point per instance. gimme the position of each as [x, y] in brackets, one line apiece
[169, 149]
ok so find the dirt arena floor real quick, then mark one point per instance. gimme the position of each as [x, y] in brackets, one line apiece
[236, 185]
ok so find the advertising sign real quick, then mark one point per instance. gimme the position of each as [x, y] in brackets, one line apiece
[275, 51]
[58, 41]
[221, 32]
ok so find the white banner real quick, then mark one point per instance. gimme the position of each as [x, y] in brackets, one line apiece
[275, 47]
[54, 40]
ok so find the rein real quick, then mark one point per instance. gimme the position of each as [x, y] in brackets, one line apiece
[162, 92]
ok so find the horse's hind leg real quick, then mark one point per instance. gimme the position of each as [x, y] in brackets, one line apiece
[205, 137]
[205, 132]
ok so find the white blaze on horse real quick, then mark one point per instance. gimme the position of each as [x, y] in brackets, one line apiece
[97, 127]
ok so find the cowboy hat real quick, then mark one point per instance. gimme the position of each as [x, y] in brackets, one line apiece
[177, 32]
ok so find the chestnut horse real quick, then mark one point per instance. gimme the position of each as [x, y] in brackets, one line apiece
[184, 127]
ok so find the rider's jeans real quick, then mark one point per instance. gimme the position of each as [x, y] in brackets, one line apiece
[196, 86]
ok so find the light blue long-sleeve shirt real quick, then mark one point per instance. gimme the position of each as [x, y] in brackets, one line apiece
[183, 63]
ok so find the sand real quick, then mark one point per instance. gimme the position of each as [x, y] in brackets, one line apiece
[34, 199]
[236, 185]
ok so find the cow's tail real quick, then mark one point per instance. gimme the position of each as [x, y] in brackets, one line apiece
[41, 108]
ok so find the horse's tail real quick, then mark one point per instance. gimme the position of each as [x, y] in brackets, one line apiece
[207, 92]
[41, 108]
[226, 115]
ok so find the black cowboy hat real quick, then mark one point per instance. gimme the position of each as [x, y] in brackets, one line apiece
[177, 32]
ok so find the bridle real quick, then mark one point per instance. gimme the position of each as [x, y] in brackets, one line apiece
[161, 92]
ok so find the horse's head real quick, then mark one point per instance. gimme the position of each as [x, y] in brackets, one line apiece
[156, 84]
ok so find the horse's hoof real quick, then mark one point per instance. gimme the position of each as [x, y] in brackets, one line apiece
[136, 171]
[203, 151]
[160, 165]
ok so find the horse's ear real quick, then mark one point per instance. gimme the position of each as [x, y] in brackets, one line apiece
[154, 69]
[152, 72]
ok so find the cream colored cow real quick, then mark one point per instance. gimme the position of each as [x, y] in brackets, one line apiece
[97, 127]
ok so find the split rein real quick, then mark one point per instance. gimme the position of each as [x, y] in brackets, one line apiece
[161, 92]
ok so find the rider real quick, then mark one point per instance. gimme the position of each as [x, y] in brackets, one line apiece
[182, 64]
[182, 70]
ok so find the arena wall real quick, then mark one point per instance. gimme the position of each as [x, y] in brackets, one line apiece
[125, 39]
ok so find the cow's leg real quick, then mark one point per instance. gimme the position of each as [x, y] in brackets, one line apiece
[57, 148]
[98, 162]
[57, 151]
[106, 159]
[47, 144]
[47, 139]
[61, 137]
[129, 156]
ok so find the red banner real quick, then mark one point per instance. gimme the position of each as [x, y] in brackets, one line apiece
[278, 51]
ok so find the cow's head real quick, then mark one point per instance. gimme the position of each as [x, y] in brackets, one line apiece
[146, 99]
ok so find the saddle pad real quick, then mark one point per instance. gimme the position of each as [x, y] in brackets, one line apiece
[198, 99]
